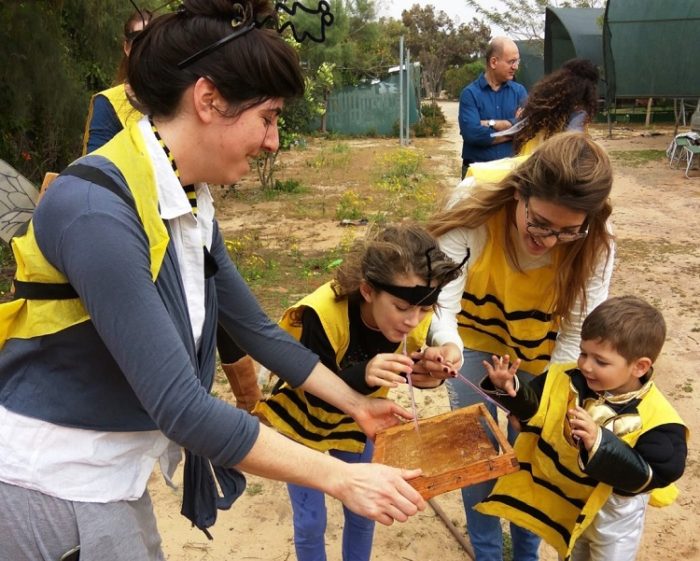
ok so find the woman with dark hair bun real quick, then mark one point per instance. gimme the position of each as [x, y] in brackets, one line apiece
[111, 111]
[107, 352]
[565, 100]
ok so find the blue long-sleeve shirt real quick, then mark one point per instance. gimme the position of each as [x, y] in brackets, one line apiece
[128, 368]
[103, 125]
[479, 102]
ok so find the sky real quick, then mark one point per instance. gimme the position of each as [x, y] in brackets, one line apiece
[456, 9]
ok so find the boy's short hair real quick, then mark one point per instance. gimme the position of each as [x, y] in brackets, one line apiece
[632, 326]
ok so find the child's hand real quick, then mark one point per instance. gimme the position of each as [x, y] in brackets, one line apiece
[438, 362]
[583, 427]
[386, 370]
[502, 373]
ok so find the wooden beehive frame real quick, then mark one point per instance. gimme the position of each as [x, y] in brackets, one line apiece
[446, 462]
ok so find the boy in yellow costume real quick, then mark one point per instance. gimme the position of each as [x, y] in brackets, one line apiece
[598, 442]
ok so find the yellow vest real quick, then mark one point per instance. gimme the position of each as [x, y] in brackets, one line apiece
[532, 144]
[558, 501]
[505, 311]
[28, 318]
[295, 414]
[126, 113]
[495, 170]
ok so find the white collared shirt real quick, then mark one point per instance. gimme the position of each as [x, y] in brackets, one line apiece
[188, 234]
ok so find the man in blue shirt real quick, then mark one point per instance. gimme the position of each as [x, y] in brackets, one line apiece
[490, 104]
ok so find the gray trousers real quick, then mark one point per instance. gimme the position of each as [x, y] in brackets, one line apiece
[38, 527]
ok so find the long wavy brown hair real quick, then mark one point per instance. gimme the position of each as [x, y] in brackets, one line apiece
[570, 170]
[555, 97]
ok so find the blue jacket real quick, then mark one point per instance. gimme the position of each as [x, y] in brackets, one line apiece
[479, 102]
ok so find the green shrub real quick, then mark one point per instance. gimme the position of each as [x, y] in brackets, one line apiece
[434, 111]
[350, 207]
[432, 122]
[456, 79]
[289, 186]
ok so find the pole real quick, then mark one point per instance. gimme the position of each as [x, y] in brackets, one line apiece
[451, 527]
[401, 90]
[408, 97]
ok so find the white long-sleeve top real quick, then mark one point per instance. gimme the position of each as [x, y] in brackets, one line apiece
[456, 242]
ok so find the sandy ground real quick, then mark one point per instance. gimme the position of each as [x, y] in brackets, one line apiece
[655, 217]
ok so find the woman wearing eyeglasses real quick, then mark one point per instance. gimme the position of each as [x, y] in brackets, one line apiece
[541, 257]
[107, 352]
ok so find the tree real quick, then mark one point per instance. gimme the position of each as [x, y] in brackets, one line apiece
[524, 19]
[55, 54]
[435, 41]
[458, 77]
[358, 45]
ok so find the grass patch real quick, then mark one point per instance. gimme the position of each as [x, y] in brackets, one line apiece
[410, 191]
[636, 158]
[252, 257]
[282, 274]
[637, 250]
[254, 489]
[352, 205]
[288, 186]
[343, 180]
[337, 155]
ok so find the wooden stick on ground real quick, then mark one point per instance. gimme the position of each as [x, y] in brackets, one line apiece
[451, 527]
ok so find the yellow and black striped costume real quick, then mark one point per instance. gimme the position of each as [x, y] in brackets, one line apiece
[551, 495]
[506, 311]
[304, 417]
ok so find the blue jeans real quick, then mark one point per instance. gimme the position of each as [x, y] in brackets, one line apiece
[484, 531]
[309, 508]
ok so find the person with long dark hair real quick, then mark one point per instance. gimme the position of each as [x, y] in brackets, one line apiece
[565, 100]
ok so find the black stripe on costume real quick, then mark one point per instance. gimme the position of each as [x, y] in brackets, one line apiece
[577, 503]
[532, 511]
[302, 406]
[282, 413]
[528, 343]
[548, 451]
[191, 197]
[516, 350]
[551, 335]
[512, 316]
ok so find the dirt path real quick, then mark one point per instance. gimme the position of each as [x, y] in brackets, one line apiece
[655, 215]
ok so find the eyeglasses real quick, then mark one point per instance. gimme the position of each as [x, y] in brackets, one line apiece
[512, 62]
[563, 236]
